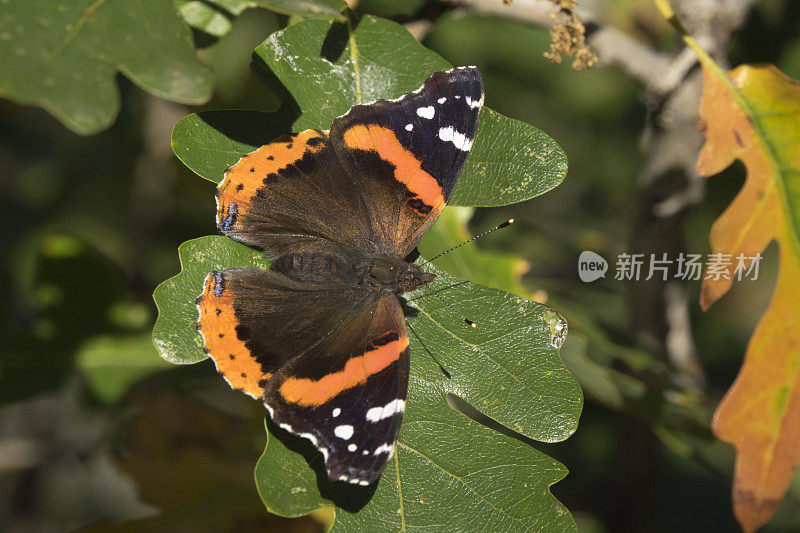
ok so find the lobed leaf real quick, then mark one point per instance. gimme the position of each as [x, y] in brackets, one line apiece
[751, 113]
[508, 367]
[64, 56]
[450, 473]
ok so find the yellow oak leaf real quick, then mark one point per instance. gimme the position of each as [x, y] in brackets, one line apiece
[752, 114]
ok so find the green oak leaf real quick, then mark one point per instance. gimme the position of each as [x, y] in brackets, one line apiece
[64, 55]
[323, 9]
[451, 471]
[323, 68]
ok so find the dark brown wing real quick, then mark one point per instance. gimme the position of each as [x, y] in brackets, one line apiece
[330, 364]
[350, 404]
[292, 194]
[411, 151]
[376, 184]
[253, 322]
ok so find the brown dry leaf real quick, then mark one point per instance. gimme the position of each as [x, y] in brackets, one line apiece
[752, 113]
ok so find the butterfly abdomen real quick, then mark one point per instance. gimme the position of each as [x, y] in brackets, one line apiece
[381, 273]
[314, 267]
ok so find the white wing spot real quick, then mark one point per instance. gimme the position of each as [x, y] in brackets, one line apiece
[364, 483]
[343, 432]
[409, 127]
[379, 413]
[449, 134]
[352, 447]
[365, 452]
[308, 436]
[384, 448]
[336, 412]
[442, 100]
[474, 103]
[426, 112]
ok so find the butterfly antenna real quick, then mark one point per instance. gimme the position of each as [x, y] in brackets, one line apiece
[505, 224]
[469, 322]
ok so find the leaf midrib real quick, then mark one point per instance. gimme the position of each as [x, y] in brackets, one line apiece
[351, 39]
[779, 179]
[400, 509]
[87, 14]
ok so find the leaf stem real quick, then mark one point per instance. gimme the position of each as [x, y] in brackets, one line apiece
[351, 38]
[666, 11]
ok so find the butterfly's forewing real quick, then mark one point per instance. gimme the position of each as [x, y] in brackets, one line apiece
[410, 151]
[292, 194]
[376, 184]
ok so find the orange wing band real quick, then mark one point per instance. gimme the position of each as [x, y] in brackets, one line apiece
[243, 180]
[312, 393]
[217, 325]
[408, 169]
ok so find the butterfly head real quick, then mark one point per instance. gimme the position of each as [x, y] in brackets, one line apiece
[415, 277]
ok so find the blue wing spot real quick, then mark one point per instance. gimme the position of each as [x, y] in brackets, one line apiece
[218, 284]
[230, 217]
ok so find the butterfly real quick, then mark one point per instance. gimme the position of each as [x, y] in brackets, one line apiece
[321, 337]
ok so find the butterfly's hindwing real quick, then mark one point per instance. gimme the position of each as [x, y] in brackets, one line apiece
[254, 322]
[323, 359]
[352, 414]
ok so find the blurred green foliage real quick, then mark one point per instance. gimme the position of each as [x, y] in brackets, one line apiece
[94, 222]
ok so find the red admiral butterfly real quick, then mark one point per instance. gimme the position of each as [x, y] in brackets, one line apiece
[321, 337]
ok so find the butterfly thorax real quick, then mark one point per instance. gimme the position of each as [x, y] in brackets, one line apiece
[392, 273]
[376, 272]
